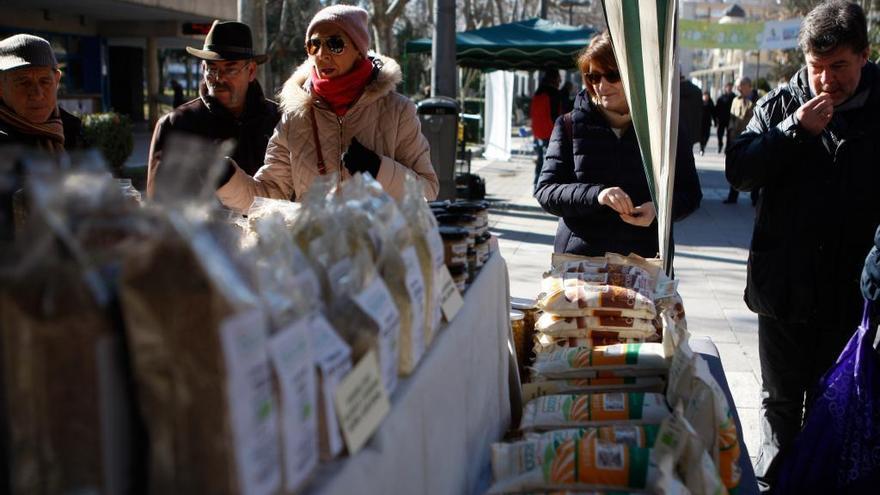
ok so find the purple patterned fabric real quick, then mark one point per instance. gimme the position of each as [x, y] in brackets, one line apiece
[838, 450]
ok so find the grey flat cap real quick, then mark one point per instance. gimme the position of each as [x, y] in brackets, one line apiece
[25, 50]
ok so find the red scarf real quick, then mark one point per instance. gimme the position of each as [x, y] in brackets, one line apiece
[341, 92]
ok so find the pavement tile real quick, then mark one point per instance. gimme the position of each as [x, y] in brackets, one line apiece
[749, 417]
[733, 357]
[745, 388]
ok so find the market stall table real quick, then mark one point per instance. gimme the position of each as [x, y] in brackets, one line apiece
[706, 348]
[445, 417]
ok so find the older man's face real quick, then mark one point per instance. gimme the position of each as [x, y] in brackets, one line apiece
[31, 92]
[837, 72]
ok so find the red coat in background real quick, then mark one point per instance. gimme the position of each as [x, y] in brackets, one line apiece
[546, 107]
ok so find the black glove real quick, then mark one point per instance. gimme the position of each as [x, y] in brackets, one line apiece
[359, 159]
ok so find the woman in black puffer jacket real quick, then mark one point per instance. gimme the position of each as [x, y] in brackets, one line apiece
[595, 180]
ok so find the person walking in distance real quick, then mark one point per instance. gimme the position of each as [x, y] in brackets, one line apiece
[812, 148]
[706, 123]
[722, 113]
[546, 107]
[741, 111]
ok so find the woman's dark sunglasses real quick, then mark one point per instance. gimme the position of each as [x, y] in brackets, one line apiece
[334, 43]
[596, 77]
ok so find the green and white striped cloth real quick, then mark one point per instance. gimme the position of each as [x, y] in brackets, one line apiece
[644, 38]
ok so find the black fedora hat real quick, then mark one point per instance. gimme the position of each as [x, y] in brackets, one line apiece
[228, 41]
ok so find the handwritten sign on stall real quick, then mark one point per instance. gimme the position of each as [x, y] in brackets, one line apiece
[361, 402]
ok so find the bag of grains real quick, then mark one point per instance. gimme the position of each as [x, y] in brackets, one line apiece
[430, 248]
[198, 338]
[571, 411]
[71, 418]
[620, 360]
[537, 389]
[584, 299]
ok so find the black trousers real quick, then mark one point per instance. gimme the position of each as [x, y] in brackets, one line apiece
[733, 195]
[793, 358]
[722, 131]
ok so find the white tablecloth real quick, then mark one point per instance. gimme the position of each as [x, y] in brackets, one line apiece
[444, 417]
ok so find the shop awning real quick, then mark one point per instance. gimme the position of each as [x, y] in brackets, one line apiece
[533, 44]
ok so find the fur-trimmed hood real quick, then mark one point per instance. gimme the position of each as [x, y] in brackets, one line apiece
[295, 97]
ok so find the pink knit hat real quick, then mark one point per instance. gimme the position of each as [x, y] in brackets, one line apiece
[353, 20]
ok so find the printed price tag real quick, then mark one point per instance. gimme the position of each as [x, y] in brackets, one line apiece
[361, 402]
[291, 353]
[333, 358]
[450, 298]
[415, 286]
[379, 305]
[252, 406]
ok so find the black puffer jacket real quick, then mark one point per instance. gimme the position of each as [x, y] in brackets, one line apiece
[819, 203]
[206, 117]
[576, 171]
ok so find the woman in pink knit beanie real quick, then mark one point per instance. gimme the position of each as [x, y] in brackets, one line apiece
[342, 116]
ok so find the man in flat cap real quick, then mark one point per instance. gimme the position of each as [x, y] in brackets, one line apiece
[29, 111]
[231, 103]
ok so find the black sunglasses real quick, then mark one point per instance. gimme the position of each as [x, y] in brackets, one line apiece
[596, 77]
[336, 44]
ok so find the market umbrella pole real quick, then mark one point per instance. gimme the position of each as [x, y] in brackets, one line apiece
[644, 38]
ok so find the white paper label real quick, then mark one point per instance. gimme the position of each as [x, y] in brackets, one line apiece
[333, 357]
[378, 304]
[398, 222]
[252, 407]
[361, 402]
[291, 354]
[435, 246]
[415, 286]
[450, 297]
[306, 280]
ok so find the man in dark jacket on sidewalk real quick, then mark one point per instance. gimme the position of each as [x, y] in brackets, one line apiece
[231, 104]
[812, 147]
[722, 113]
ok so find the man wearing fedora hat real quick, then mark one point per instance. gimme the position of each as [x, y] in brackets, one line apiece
[29, 111]
[231, 104]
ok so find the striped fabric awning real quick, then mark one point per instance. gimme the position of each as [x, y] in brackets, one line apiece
[644, 37]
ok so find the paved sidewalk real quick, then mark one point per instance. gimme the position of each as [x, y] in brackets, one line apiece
[710, 262]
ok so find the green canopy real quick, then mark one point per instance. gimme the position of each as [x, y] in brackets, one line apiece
[533, 44]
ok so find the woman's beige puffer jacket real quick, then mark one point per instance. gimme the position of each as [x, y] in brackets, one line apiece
[381, 119]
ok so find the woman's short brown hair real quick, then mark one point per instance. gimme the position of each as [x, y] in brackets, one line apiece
[599, 53]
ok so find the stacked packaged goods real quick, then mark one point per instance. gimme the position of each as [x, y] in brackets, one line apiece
[616, 399]
[170, 347]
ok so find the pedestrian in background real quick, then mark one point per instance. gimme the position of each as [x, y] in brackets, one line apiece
[706, 123]
[812, 149]
[722, 113]
[341, 116]
[594, 178]
[741, 111]
[231, 104]
[545, 108]
[690, 109]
